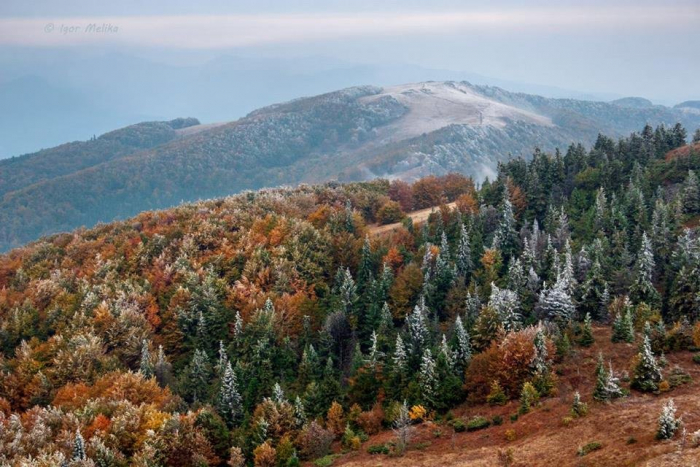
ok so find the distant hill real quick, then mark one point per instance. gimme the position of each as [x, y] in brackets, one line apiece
[358, 133]
[634, 102]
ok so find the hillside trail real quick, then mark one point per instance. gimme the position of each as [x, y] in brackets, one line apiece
[416, 216]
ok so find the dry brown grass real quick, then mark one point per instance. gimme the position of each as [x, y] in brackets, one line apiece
[541, 437]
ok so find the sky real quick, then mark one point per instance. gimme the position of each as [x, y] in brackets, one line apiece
[618, 47]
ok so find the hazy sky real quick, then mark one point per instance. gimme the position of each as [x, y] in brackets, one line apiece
[643, 48]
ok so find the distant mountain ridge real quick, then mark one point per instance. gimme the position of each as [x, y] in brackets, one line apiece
[358, 133]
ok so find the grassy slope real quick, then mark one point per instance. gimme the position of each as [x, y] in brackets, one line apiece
[543, 440]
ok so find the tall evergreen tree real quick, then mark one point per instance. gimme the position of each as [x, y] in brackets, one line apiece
[229, 397]
[642, 289]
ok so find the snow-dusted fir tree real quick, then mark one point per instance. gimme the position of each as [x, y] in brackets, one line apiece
[400, 358]
[516, 277]
[473, 305]
[578, 407]
[299, 412]
[445, 247]
[278, 394]
[506, 304]
[145, 366]
[223, 359]
[601, 207]
[78, 447]
[568, 275]
[386, 319]
[348, 292]
[587, 339]
[417, 327]
[229, 397]
[427, 379]
[592, 291]
[237, 326]
[539, 362]
[199, 375]
[506, 237]
[374, 355]
[623, 325]
[349, 217]
[647, 374]
[607, 385]
[668, 423]
[463, 350]
[642, 289]
[691, 193]
[447, 352]
[463, 261]
[612, 384]
[556, 304]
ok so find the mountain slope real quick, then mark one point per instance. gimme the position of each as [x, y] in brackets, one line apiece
[358, 133]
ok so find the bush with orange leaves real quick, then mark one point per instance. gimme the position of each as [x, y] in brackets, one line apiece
[510, 361]
[114, 387]
[265, 455]
[371, 421]
[335, 420]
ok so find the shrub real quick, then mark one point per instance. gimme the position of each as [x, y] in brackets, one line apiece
[497, 420]
[378, 449]
[696, 358]
[417, 413]
[678, 377]
[514, 418]
[506, 458]
[350, 440]
[510, 435]
[325, 461]
[459, 425]
[390, 213]
[478, 423]
[315, 441]
[528, 398]
[371, 422]
[566, 421]
[496, 396]
[680, 336]
[588, 448]
[578, 407]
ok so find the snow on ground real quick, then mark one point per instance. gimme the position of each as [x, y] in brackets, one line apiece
[434, 105]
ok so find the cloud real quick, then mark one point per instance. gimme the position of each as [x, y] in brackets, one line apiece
[227, 31]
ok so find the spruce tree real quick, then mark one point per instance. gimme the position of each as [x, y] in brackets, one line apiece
[463, 349]
[145, 366]
[647, 374]
[578, 407]
[592, 291]
[229, 397]
[668, 423]
[428, 380]
[587, 339]
[78, 448]
[642, 289]
[464, 261]
[506, 237]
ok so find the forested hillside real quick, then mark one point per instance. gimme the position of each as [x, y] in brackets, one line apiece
[270, 328]
[406, 132]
